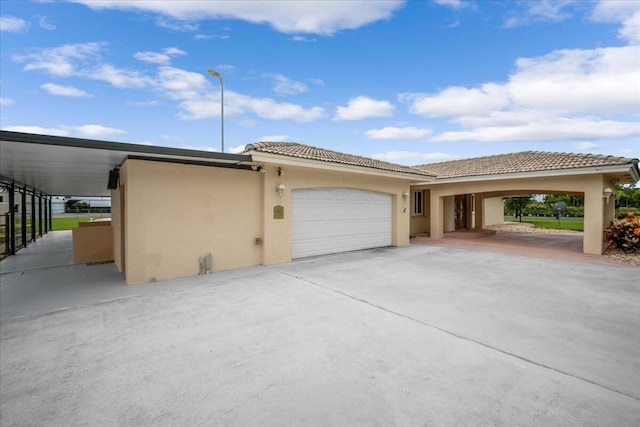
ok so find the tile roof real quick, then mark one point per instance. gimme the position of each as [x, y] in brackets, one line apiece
[293, 149]
[525, 161]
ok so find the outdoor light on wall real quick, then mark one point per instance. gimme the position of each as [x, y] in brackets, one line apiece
[607, 193]
[405, 195]
[280, 189]
[280, 172]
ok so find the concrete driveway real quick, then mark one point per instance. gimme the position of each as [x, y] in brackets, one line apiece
[418, 335]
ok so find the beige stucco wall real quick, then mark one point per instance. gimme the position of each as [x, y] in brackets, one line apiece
[420, 223]
[116, 225]
[493, 210]
[175, 213]
[277, 232]
[92, 242]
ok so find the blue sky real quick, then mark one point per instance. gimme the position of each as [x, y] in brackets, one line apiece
[410, 82]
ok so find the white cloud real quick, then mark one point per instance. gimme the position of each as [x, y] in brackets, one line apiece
[119, 78]
[163, 57]
[6, 101]
[13, 24]
[538, 11]
[152, 57]
[38, 129]
[626, 13]
[273, 138]
[456, 4]
[312, 16]
[90, 131]
[96, 131]
[543, 127]
[286, 86]
[398, 133]
[457, 100]
[565, 95]
[198, 101]
[44, 23]
[584, 146]
[363, 107]
[411, 158]
[59, 90]
[177, 25]
[269, 109]
[237, 150]
[603, 80]
[61, 61]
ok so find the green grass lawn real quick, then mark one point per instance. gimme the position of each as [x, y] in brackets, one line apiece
[66, 223]
[575, 224]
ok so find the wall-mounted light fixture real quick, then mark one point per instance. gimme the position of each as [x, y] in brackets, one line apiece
[280, 172]
[280, 189]
[607, 193]
[405, 195]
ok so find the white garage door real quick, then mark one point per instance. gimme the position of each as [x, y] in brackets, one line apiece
[326, 221]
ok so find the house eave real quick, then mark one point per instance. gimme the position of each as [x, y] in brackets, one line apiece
[631, 169]
[261, 157]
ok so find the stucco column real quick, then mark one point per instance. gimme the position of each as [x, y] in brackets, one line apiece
[276, 239]
[594, 205]
[436, 204]
[479, 211]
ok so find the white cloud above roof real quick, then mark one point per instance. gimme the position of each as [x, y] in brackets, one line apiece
[311, 16]
[624, 12]
[411, 158]
[60, 90]
[13, 24]
[390, 132]
[565, 95]
[363, 107]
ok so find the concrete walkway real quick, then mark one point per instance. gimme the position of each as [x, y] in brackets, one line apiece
[565, 246]
[419, 335]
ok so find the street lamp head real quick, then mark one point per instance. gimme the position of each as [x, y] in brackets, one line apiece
[214, 73]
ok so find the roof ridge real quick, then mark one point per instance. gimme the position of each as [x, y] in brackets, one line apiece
[323, 154]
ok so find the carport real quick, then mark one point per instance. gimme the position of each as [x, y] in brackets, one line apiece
[484, 181]
[33, 168]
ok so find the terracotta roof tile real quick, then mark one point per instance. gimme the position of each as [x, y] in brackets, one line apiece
[526, 161]
[294, 149]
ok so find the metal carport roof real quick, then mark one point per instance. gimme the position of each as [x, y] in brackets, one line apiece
[57, 165]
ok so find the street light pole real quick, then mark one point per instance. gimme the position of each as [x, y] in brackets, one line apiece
[218, 75]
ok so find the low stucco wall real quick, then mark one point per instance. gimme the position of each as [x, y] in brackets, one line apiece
[92, 242]
[493, 209]
[176, 213]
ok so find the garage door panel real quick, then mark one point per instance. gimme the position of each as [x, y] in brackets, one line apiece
[337, 220]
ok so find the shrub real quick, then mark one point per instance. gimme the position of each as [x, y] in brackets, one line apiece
[624, 232]
[575, 211]
[622, 210]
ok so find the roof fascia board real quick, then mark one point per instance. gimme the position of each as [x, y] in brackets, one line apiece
[627, 168]
[191, 162]
[151, 150]
[260, 157]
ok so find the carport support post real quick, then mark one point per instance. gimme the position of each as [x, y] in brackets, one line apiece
[11, 244]
[437, 215]
[40, 215]
[24, 216]
[46, 215]
[33, 216]
[50, 213]
[479, 211]
[593, 218]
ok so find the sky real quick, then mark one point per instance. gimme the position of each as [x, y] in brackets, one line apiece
[410, 82]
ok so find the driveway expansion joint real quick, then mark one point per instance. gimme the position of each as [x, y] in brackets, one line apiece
[462, 337]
